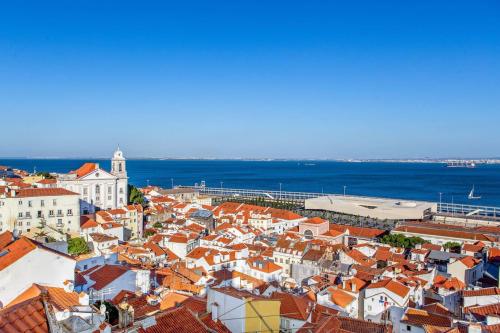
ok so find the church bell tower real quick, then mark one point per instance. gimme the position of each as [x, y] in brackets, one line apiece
[118, 164]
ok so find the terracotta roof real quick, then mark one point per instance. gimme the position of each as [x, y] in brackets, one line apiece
[340, 297]
[358, 231]
[195, 304]
[481, 292]
[362, 326]
[177, 320]
[480, 312]
[172, 299]
[391, 285]
[42, 192]
[100, 238]
[14, 251]
[448, 283]
[89, 224]
[430, 246]
[105, 274]
[459, 234]
[292, 306]
[260, 264]
[47, 181]
[315, 220]
[469, 261]
[5, 239]
[437, 308]
[26, 317]
[58, 297]
[360, 258]
[85, 169]
[417, 317]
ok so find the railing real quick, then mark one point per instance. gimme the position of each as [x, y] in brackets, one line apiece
[443, 208]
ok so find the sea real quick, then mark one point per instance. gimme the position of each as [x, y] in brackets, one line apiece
[414, 181]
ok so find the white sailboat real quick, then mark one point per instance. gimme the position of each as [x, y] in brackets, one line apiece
[471, 194]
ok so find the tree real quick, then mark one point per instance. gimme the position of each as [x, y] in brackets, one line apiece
[399, 240]
[77, 246]
[149, 233]
[135, 196]
[453, 246]
[158, 225]
[45, 175]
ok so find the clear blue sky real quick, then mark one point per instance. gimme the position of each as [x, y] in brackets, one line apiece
[285, 79]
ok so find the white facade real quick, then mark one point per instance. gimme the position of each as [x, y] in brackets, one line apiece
[38, 266]
[25, 209]
[98, 189]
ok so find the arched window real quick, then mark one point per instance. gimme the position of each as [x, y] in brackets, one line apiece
[97, 189]
[308, 234]
[119, 167]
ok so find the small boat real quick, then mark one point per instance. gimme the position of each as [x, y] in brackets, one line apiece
[461, 164]
[472, 196]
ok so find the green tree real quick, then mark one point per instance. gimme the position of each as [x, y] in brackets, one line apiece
[399, 240]
[45, 174]
[149, 233]
[158, 225]
[453, 246]
[135, 196]
[77, 246]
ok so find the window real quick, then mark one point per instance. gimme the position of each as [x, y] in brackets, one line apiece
[70, 212]
[20, 202]
[30, 204]
[59, 222]
[97, 189]
[39, 214]
[408, 328]
[85, 191]
[119, 167]
[20, 214]
[109, 189]
[42, 203]
[20, 223]
[54, 202]
[51, 213]
[59, 212]
[28, 223]
[121, 190]
[369, 307]
[28, 214]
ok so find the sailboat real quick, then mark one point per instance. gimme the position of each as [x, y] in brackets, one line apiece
[471, 194]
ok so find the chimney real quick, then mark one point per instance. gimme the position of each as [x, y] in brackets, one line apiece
[343, 283]
[353, 286]
[12, 192]
[83, 298]
[125, 315]
[474, 328]
[215, 312]
[68, 286]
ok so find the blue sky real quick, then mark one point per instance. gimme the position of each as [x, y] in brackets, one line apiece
[227, 79]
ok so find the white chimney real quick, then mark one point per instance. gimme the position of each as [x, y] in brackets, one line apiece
[474, 328]
[353, 286]
[68, 286]
[215, 312]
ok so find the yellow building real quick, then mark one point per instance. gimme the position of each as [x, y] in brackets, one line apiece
[241, 311]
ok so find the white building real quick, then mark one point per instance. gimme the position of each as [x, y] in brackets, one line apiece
[98, 188]
[24, 262]
[382, 295]
[25, 209]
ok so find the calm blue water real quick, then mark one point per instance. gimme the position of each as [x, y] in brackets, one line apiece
[394, 180]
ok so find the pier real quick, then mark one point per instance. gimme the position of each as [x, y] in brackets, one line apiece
[444, 209]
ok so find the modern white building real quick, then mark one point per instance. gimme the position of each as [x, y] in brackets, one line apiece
[379, 208]
[98, 189]
[53, 209]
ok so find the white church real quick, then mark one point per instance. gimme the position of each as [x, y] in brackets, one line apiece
[98, 189]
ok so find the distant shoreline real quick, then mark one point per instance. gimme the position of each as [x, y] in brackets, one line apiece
[436, 160]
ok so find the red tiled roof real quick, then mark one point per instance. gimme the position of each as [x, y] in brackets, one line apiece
[26, 317]
[5, 239]
[358, 231]
[47, 181]
[292, 306]
[42, 192]
[85, 169]
[418, 317]
[177, 320]
[14, 251]
[106, 274]
[481, 292]
[391, 285]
